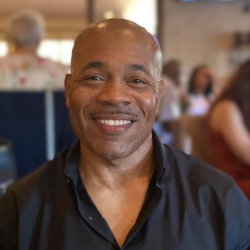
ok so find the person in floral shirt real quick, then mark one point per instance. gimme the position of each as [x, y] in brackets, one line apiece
[23, 69]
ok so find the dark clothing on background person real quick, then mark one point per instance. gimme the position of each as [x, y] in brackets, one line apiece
[226, 161]
[189, 205]
[7, 165]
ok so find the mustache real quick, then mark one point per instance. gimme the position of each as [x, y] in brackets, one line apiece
[116, 112]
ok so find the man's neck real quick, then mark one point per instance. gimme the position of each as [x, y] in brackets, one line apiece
[118, 187]
[118, 173]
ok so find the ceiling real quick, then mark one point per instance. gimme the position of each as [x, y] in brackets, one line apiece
[46, 7]
[69, 14]
[61, 8]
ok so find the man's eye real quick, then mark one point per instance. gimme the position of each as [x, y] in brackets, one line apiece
[94, 78]
[137, 81]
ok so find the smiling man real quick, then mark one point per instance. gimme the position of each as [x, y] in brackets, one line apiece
[118, 187]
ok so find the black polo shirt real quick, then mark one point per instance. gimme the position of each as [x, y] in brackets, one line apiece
[189, 206]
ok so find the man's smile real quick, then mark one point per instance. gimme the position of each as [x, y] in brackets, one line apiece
[109, 123]
[114, 122]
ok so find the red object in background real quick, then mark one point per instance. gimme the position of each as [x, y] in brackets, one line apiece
[23, 80]
[227, 162]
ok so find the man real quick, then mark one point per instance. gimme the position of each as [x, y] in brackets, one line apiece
[119, 187]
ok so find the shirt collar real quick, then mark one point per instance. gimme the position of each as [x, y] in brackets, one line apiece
[72, 160]
[161, 162]
[159, 159]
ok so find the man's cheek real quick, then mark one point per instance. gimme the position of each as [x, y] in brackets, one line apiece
[150, 102]
[76, 111]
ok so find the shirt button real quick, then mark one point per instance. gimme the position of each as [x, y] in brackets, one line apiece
[68, 180]
[90, 217]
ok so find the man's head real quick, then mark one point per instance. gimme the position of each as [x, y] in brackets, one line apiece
[114, 89]
[26, 29]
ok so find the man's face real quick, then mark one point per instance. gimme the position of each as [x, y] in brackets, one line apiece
[113, 94]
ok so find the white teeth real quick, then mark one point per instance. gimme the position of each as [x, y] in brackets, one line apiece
[114, 122]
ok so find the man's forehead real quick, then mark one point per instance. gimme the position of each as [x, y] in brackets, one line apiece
[118, 51]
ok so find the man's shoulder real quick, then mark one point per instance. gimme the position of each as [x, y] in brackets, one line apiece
[197, 172]
[210, 194]
[43, 178]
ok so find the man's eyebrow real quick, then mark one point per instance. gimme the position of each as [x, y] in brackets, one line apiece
[138, 67]
[93, 64]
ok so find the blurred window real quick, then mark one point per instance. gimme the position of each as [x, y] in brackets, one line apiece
[3, 48]
[144, 13]
[56, 50]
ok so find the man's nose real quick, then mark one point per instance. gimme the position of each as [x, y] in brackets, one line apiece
[115, 93]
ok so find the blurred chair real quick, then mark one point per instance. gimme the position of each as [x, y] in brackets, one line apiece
[25, 122]
[191, 135]
[7, 165]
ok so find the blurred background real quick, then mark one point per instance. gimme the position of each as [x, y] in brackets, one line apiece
[194, 32]
[204, 42]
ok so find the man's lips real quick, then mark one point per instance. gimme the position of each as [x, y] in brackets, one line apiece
[114, 117]
[113, 123]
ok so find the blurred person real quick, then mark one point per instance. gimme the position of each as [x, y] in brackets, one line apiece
[169, 106]
[118, 187]
[200, 91]
[172, 70]
[230, 128]
[23, 69]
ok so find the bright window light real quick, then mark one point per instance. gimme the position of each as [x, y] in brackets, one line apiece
[49, 49]
[66, 47]
[144, 13]
[109, 14]
[3, 48]
[57, 50]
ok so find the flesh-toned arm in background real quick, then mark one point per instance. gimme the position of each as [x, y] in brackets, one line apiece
[227, 119]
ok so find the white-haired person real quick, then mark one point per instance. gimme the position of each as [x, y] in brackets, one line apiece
[22, 68]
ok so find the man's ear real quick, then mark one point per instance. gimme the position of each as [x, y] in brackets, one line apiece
[67, 83]
[160, 87]
[160, 91]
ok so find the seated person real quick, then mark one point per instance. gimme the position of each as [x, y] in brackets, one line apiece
[230, 129]
[22, 68]
[200, 93]
[170, 103]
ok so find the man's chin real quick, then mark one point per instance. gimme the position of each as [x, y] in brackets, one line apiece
[114, 154]
[115, 147]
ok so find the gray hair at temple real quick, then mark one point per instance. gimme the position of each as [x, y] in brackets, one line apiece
[26, 29]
